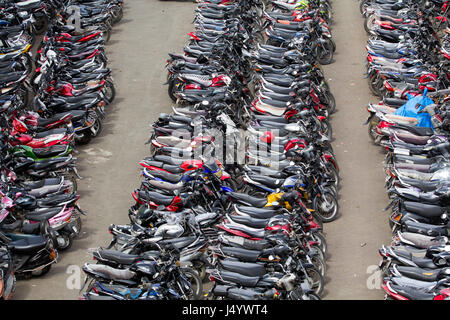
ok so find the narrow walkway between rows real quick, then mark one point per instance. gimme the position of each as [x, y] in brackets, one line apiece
[353, 239]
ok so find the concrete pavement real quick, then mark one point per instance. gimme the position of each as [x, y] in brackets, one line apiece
[354, 238]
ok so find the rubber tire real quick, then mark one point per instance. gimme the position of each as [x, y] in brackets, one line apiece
[99, 125]
[323, 242]
[330, 53]
[112, 96]
[331, 105]
[87, 137]
[316, 207]
[320, 264]
[326, 128]
[319, 288]
[42, 272]
[361, 6]
[189, 273]
[69, 243]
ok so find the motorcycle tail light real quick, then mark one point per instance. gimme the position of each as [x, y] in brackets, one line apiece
[52, 255]
[388, 86]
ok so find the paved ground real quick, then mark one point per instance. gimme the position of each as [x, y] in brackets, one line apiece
[355, 237]
[137, 53]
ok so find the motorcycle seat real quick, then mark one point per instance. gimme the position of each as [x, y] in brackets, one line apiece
[399, 158]
[273, 183]
[278, 89]
[163, 185]
[253, 232]
[49, 152]
[425, 228]
[419, 273]
[28, 245]
[425, 186]
[271, 48]
[173, 178]
[244, 268]
[419, 240]
[245, 255]
[247, 199]
[156, 197]
[409, 255]
[409, 137]
[174, 169]
[276, 96]
[169, 160]
[250, 221]
[29, 4]
[107, 272]
[56, 199]
[46, 133]
[270, 118]
[259, 213]
[43, 215]
[421, 131]
[119, 257]
[424, 263]
[179, 243]
[39, 165]
[41, 183]
[412, 294]
[426, 210]
[280, 80]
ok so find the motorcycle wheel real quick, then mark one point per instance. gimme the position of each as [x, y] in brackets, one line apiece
[41, 272]
[109, 91]
[78, 223]
[325, 53]
[85, 138]
[322, 243]
[106, 34]
[117, 14]
[73, 179]
[196, 283]
[326, 128]
[371, 130]
[313, 296]
[172, 88]
[96, 128]
[369, 23]
[319, 264]
[330, 102]
[326, 206]
[316, 280]
[374, 85]
[361, 6]
[64, 241]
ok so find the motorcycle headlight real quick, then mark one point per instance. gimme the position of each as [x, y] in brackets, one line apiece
[23, 14]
